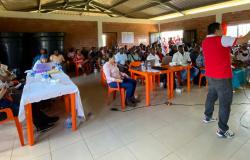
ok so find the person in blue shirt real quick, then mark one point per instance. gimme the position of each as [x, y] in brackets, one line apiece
[121, 57]
[37, 57]
[200, 62]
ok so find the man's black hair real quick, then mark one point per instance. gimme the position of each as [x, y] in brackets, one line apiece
[211, 29]
[110, 55]
[180, 46]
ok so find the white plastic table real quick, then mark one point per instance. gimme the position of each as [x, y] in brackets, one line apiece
[37, 89]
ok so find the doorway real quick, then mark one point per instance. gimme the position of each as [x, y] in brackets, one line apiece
[109, 39]
[189, 36]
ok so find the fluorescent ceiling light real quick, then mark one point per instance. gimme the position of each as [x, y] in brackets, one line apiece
[216, 6]
[228, 4]
[168, 16]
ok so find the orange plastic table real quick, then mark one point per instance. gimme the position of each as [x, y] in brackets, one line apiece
[148, 81]
[172, 70]
[70, 106]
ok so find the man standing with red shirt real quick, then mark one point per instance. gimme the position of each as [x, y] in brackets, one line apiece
[216, 49]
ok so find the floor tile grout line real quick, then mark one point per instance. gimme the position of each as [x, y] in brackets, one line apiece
[231, 156]
[84, 140]
[109, 152]
[13, 145]
[188, 142]
[131, 152]
[50, 151]
[111, 129]
[59, 148]
[123, 145]
[167, 155]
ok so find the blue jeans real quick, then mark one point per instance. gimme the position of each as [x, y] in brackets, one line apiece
[128, 84]
[4, 103]
[193, 73]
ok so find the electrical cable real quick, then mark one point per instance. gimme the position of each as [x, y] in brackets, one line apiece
[243, 115]
[189, 105]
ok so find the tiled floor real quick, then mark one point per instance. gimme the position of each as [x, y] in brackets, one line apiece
[159, 132]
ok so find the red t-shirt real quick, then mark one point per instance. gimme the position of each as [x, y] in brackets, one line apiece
[216, 50]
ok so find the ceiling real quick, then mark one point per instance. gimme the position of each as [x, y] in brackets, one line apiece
[143, 9]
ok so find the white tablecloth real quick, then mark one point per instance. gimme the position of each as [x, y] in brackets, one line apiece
[36, 90]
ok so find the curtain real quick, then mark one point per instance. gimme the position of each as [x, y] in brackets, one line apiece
[224, 28]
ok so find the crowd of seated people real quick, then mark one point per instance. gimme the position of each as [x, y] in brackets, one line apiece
[241, 64]
[182, 54]
[241, 53]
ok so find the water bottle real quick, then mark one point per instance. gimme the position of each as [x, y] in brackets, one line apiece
[58, 67]
[95, 70]
[68, 122]
[143, 66]
[149, 66]
[177, 83]
[32, 73]
[45, 75]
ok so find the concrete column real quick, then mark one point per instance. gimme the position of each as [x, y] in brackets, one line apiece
[99, 33]
[219, 17]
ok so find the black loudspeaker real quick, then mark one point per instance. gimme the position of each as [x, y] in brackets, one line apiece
[190, 36]
[11, 49]
[50, 41]
[17, 50]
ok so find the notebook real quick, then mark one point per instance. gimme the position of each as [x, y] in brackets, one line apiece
[43, 67]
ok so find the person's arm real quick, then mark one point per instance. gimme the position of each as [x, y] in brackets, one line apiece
[35, 65]
[62, 58]
[124, 75]
[51, 58]
[243, 39]
[174, 59]
[5, 78]
[107, 73]
[2, 92]
[189, 58]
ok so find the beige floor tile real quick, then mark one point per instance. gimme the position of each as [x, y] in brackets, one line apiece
[173, 137]
[43, 157]
[131, 131]
[242, 153]
[76, 151]
[93, 127]
[208, 146]
[6, 146]
[172, 156]
[103, 143]
[119, 154]
[63, 137]
[28, 152]
[148, 148]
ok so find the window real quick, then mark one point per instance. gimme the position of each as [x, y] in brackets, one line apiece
[238, 30]
[154, 37]
[176, 36]
[232, 31]
[243, 29]
[104, 40]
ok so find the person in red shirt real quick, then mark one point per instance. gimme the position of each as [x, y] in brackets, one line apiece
[216, 50]
[78, 59]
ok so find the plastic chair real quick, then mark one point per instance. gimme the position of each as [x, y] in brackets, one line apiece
[103, 79]
[10, 117]
[85, 67]
[201, 76]
[114, 90]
